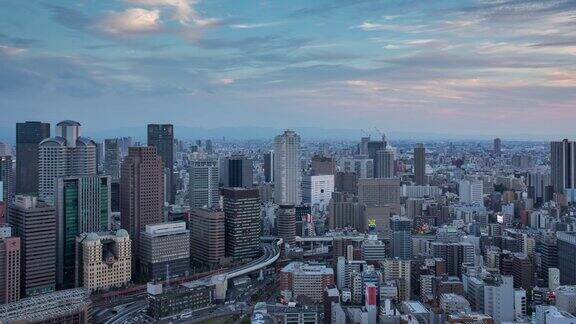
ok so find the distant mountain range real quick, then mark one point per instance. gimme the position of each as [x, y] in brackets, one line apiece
[307, 133]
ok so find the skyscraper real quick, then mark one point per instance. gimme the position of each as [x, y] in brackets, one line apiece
[9, 265]
[237, 171]
[35, 223]
[67, 154]
[83, 205]
[497, 146]
[203, 188]
[566, 262]
[242, 212]
[420, 164]
[28, 136]
[380, 192]
[269, 166]
[401, 237]
[207, 236]
[563, 165]
[323, 165]
[384, 163]
[373, 147]
[141, 196]
[162, 138]
[112, 158]
[287, 173]
[6, 179]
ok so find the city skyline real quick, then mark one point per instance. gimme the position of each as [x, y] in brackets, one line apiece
[453, 67]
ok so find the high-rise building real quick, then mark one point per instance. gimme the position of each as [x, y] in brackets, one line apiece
[455, 256]
[9, 265]
[67, 154]
[401, 237]
[112, 158]
[373, 147]
[379, 192]
[162, 138]
[6, 180]
[104, 260]
[566, 262]
[323, 165]
[141, 196]
[203, 187]
[563, 165]
[399, 271]
[34, 222]
[28, 136]
[237, 171]
[287, 171]
[165, 250]
[242, 212]
[471, 191]
[384, 164]
[499, 298]
[286, 220]
[83, 205]
[269, 166]
[497, 147]
[207, 236]
[317, 190]
[420, 164]
[344, 210]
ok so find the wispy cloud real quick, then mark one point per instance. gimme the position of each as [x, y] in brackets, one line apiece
[130, 22]
[9, 50]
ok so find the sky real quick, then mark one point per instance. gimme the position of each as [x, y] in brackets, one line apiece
[486, 67]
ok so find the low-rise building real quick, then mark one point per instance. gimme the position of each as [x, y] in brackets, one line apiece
[300, 279]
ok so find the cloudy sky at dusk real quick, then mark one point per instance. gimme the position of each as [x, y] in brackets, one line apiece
[482, 66]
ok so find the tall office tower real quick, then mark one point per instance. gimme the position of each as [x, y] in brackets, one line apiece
[384, 163]
[344, 210]
[287, 173]
[563, 165]
[141, 196]
[207, 236]
[399, 271]
[566, 242]
[5, 149]
[373, 148]
[414, 207]
[9, 266]
[237, 171]
[162, 138]
[471, 191]
[346, 182]
[360, 164]
[35, 223]
[455, 256]
[6, 180]
[112, 158]
[497, 146]
[28, 136]
[165, 250]
[104, 260]
[380, 192]
[401, 237]
[67, 154]
[286, 221]
[83, 205]
[269, 166]
[203, 187]
[242, 212]
[363, 146]
[323, 165]
[420, 165]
